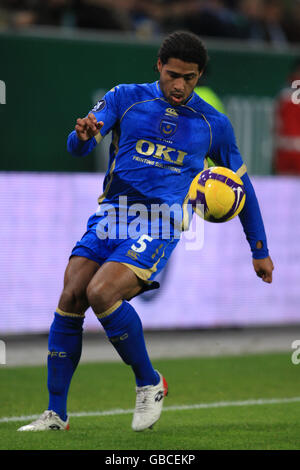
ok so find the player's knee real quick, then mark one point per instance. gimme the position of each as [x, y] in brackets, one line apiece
[101, 296]
[73, 301]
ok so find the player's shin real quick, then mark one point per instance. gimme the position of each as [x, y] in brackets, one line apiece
[125, 332]
[64, 351]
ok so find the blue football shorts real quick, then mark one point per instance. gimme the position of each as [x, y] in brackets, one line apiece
[145, 256]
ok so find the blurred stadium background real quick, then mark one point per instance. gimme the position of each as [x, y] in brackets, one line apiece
[58, 57]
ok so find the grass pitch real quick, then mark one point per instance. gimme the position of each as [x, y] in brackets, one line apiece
[210, 383]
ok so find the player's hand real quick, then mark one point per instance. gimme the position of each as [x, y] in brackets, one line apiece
[264, 268]
[88, 127]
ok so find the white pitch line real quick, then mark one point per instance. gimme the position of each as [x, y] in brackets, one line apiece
[220, 404]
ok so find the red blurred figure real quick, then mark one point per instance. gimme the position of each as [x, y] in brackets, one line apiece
[287, 126]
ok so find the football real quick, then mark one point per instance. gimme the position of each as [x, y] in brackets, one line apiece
[217, 194]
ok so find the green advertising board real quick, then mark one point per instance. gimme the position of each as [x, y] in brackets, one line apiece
[52, 79]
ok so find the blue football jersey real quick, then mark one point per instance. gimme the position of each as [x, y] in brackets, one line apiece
[158, 149]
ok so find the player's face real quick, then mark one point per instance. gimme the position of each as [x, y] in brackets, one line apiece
[178, 79]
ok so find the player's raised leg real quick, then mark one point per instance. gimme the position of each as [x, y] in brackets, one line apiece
[107, 293]
[65, 343]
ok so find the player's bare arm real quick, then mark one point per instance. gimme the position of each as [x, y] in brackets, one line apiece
[264, 268]
[88, 127]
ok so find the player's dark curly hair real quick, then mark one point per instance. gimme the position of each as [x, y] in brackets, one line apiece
[185, 46]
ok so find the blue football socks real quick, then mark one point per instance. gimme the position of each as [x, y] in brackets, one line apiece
[125, 332]
[64, 351]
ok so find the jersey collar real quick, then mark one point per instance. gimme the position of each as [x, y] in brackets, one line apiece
[158, 90]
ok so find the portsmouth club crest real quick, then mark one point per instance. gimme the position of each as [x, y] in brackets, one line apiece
[168, 127]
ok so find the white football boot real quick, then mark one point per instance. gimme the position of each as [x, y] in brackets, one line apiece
[149, 403]
[49, 420]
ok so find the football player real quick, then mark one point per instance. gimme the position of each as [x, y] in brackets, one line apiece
[162, 133]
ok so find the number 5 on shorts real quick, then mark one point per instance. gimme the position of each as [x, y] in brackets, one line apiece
[142, 245]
